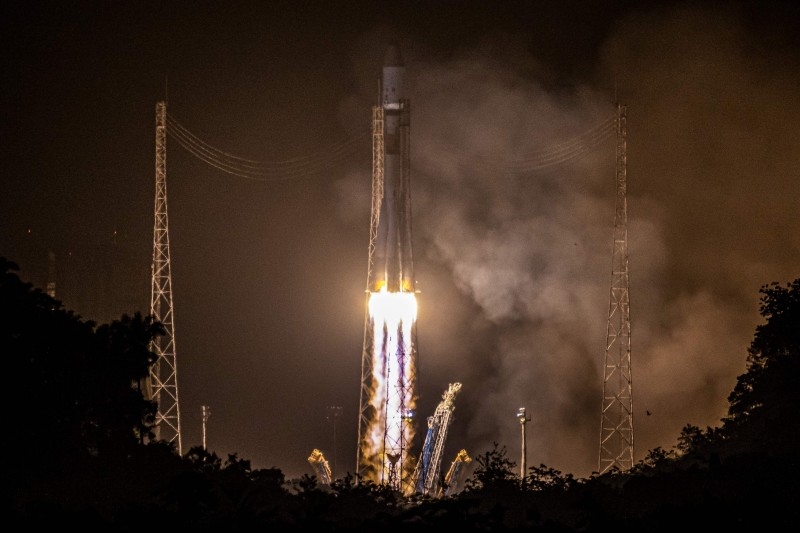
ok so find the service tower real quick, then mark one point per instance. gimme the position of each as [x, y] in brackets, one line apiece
[389, 355]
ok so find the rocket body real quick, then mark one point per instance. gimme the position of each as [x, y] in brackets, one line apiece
[394, 266]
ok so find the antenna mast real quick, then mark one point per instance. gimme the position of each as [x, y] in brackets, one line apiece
[163, 383]
[616, 424]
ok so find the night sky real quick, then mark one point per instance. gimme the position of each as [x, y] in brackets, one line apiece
[512, 257]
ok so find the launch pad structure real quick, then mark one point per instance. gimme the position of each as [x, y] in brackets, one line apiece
[389, 358]
[389, 352]
[426, 478]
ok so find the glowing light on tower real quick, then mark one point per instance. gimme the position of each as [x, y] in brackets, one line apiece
[389, 358]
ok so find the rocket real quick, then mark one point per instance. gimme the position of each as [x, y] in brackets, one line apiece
[393, 266]
[386, 425]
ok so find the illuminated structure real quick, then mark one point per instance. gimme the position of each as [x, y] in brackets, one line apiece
[426, 474]
[320, 465]
[389, 355]
[523, 420]
[162, 387]
[205, 412]
[616, 423]
[454, 474]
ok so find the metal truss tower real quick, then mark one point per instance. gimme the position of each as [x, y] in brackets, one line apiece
[616, 423]
[426, 474]
[163, 383]
[365, 411]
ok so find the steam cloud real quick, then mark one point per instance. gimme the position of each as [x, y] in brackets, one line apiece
[515, 267]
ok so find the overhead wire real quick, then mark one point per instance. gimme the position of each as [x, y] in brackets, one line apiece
[545, 158]
[334, 155]
[288, 169]
[565, 151]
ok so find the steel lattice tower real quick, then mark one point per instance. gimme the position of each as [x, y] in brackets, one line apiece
[426, 474]
[616, 424]
[163, 384]
[367, 364]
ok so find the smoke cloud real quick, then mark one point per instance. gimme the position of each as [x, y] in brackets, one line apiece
[513, 256]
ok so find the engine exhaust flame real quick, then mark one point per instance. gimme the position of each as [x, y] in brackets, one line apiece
[393, 316]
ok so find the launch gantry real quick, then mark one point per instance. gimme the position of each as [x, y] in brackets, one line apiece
[426, 473]
[454, 473]
[321, 468]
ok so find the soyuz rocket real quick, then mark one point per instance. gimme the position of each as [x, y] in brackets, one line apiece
[389, 357]
[393, 265]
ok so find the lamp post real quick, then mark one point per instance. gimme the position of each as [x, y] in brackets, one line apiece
[523, 419]
[206, 410]
[334, 412]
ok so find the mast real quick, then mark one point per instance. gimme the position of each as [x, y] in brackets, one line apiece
[163, 382]
[616, 424]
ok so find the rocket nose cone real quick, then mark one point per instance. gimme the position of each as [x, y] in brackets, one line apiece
[393, 57]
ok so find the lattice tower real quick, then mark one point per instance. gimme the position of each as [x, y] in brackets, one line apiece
[367, 365]
[616, 424]
[163, 383]
[428, 468]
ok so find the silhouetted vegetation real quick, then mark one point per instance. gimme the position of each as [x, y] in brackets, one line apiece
[79, 450]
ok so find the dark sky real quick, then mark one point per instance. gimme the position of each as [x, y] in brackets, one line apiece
[513, 260]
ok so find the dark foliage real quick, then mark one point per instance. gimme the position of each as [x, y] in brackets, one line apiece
[71, 380]
[764, 407]
[80, 450]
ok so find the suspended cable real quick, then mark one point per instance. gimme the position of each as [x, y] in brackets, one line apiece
[549, 156]
[562, 152]
[266, 171]
[334, 155]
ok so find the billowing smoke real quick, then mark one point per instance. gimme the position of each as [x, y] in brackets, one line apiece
[522, 226]
[513, 228]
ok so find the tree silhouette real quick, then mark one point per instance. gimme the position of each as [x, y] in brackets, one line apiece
[493, 471]
[74, 408]
[76, 457]
[764, 407]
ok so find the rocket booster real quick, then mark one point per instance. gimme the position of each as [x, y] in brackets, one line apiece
[393, 265]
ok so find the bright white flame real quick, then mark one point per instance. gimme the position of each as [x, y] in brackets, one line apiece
[393, 307]
[393, 316]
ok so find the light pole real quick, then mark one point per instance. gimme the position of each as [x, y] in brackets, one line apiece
[206, 410]
[334, 412]
[523, 419]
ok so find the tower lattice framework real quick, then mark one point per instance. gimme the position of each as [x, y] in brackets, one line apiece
[426, 473]
[163, 383]
[367, 364]
[616, 425]
[368, 465]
